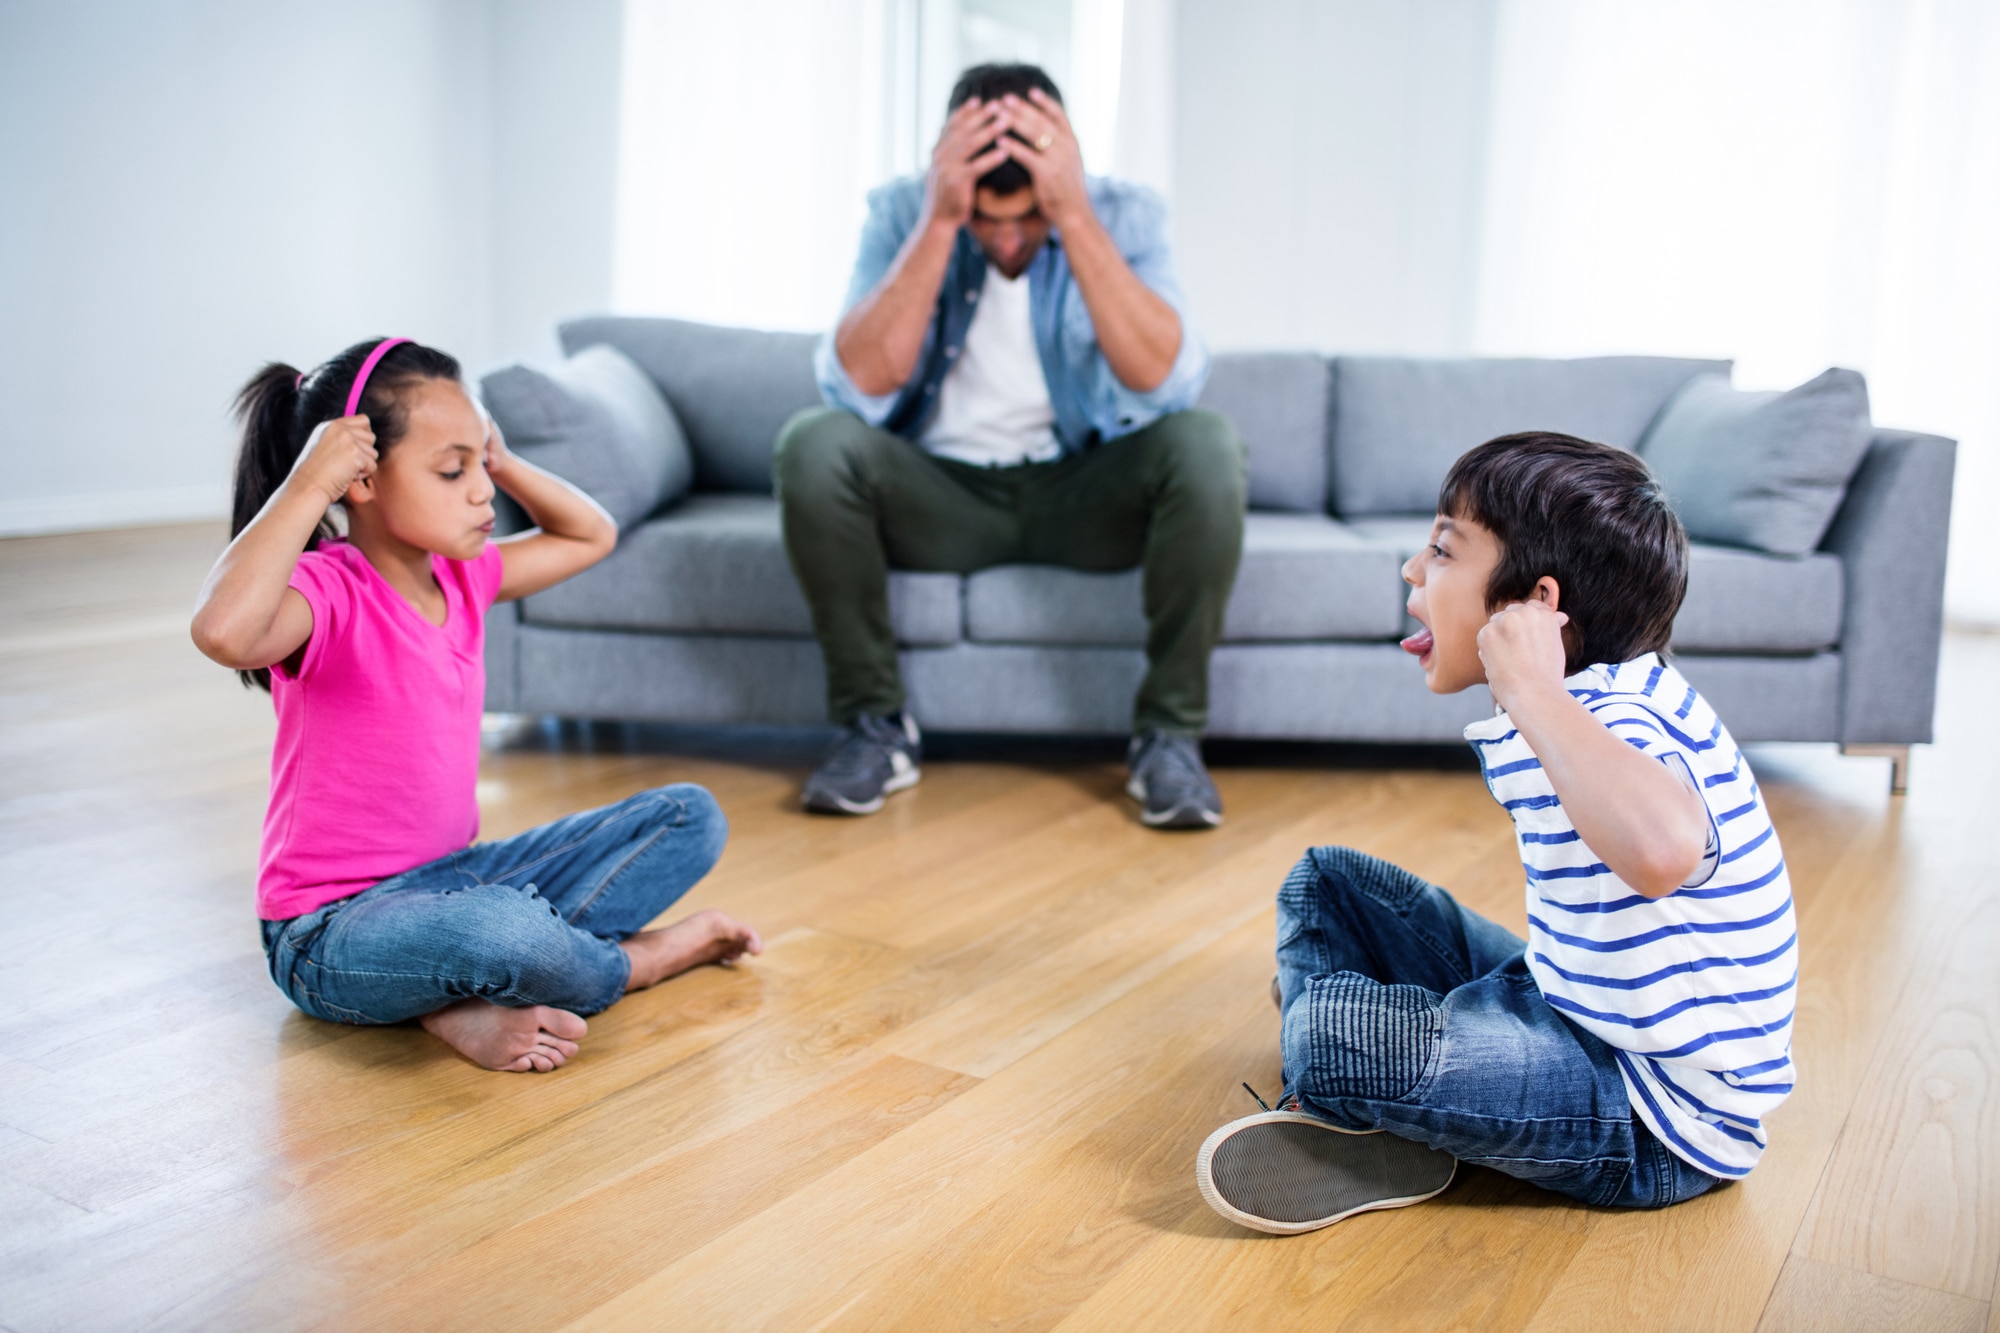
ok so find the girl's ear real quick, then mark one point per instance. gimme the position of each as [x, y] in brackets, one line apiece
[360, 491]
[1548, 590]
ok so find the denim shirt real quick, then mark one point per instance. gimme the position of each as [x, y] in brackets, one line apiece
[1089, 401]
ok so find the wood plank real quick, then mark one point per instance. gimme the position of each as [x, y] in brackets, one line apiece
[1481, 1255]
[557, 1264]
[1011, 1200]
[1816, 1297]
[1913, 1189]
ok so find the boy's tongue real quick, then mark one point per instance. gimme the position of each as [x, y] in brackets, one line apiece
[1418, 644]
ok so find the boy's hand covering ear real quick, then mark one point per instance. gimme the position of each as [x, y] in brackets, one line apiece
[1522, 649]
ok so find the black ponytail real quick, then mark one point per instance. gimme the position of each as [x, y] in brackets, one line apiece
[280, 408]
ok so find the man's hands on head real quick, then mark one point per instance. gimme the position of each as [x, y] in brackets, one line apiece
[1051, 155]
[880, 337]
[961, 157]
[1042, 141]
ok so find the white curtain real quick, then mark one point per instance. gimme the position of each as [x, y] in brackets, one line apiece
[1793, 183]
[749, 134]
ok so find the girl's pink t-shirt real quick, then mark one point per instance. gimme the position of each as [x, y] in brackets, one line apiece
[377, 756]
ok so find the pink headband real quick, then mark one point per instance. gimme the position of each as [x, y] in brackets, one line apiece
[367, 369]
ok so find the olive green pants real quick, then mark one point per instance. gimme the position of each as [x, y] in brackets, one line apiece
[858, 501]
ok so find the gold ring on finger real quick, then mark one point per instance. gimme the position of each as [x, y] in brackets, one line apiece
[1043, 143]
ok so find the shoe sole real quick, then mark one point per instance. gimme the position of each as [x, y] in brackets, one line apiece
[834, 805]
[1310, 1180]
[1181, 816]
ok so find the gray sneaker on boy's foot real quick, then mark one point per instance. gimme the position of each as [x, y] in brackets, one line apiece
[1285, 1172]
[873, 757]
[1169, 782]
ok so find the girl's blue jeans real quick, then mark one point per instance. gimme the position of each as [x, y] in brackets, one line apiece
[1405, 1012]
[532, 919]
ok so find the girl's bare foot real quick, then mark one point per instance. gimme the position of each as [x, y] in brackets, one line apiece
[518, 1041]
[705, 937]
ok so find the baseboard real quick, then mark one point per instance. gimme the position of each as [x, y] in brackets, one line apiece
[112, 509]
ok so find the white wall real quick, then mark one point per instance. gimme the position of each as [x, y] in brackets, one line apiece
[193, 188]
[555, 167]
[1329, 172]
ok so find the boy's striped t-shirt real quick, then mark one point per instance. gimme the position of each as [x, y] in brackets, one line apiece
[1694, 991]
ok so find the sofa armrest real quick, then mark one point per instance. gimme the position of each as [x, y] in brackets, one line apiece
[503, 657]
[1890, 536]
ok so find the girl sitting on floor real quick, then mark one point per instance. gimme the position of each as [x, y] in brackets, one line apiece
[376, 905]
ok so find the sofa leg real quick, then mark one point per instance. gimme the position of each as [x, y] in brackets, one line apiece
[1899, 763]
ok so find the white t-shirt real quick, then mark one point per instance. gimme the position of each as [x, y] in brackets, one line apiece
[1694, 991]
[993, 406]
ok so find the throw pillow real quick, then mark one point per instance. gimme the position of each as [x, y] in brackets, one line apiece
[1764, 470]
[601, 424]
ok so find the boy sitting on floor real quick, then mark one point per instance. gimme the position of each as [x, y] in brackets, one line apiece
[1628, 1052]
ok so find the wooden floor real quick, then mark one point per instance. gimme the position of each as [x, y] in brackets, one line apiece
[962, 1088]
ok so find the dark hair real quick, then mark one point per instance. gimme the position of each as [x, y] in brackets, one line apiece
[1589, 516]
[278, 412]
[989, 83]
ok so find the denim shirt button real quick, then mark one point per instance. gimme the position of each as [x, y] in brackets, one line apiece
[972, 294]
[950, 352]
[930, 388]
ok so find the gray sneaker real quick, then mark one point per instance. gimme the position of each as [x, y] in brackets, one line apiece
[1285, 1172]
[873, 757]
[1169, 782]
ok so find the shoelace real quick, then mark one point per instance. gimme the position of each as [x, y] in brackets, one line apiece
[1290, 1103]
[856, 750]
[1175, 754]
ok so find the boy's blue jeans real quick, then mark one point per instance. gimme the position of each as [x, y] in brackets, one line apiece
[532, 919]
[1405, 1012]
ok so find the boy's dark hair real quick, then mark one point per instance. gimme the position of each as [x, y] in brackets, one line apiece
[1589, 516]
[989, 83]
[278, 411]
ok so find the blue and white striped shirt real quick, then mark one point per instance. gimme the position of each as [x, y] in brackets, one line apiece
[1694, 991]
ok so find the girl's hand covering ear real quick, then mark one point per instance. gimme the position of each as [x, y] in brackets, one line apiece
[498, 456]
[338, 454]
[1522, 649]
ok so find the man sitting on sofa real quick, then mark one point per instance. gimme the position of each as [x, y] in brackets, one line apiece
[1011, 382]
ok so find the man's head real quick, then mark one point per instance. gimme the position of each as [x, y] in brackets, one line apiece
[1006, 220]
[1548, 517]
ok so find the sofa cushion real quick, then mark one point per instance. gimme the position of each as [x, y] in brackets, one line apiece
[1745, 601]
[1399, 423]
[1765, 470]
[715, 564]
[598, 422]
[732, 388]
[1303, 577]
[1277, 402]
[1737, 601]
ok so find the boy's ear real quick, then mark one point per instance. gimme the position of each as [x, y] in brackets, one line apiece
[1549, 591]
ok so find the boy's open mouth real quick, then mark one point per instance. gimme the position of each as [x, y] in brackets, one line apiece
[1419, 645]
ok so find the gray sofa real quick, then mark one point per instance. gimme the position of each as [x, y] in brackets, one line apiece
[696, 617]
